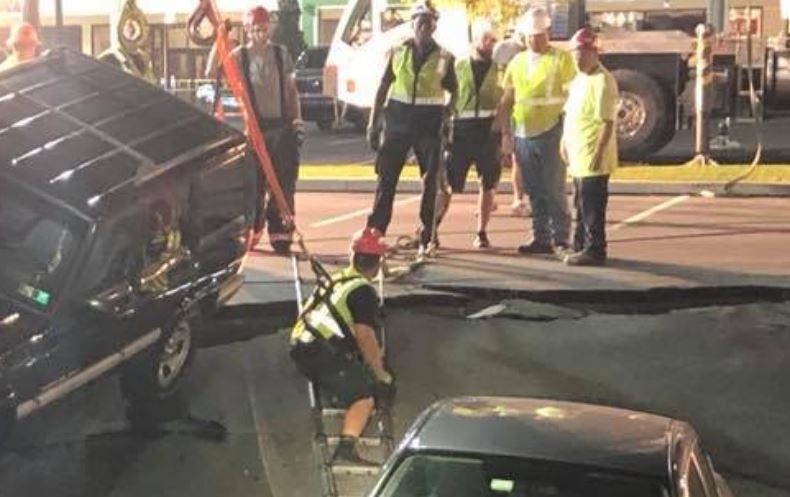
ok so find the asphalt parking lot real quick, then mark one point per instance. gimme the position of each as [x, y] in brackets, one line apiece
[242, 426]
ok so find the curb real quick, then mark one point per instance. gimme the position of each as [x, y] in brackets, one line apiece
[615, 187]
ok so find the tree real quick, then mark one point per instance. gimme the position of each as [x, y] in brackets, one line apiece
[501, 12]
[287, 31]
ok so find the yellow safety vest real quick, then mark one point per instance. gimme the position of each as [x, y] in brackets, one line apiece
[540, 90]
[329, 315]
[474, 103]
[423, 88]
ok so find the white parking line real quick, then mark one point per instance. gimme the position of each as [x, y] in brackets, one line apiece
[649, 212]
[358, 213]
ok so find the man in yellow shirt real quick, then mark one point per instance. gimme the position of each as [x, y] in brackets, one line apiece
[536, 82]
[590, 148]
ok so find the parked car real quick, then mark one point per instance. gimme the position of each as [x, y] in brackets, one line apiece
[125, 215]
[519, 447]
[316, 107]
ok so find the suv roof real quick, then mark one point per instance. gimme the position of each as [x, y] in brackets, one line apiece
[550, 430]
[82, 131]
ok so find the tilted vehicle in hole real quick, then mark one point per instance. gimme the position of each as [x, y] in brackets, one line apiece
[125, 217]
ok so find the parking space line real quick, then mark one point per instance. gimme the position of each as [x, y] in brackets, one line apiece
[649, 212]
[256, 418]
[358, 213]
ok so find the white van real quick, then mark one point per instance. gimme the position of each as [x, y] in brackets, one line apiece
[367, 30]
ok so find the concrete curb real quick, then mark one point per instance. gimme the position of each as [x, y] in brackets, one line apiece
[616, 187]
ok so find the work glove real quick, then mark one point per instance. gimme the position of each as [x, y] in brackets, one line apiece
[298, 128]
[374, 136]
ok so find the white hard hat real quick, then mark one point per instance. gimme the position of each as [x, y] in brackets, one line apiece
[534, 22]
[424, 8]
[480, 27]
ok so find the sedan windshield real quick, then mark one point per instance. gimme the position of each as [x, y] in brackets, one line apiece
[434, 475]
[36, 248]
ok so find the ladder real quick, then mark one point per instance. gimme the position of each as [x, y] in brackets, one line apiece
[375, 444]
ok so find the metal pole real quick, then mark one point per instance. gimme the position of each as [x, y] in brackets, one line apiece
[59, 22]
[717, 14]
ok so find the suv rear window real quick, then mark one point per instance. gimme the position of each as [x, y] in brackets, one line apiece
[37, 247]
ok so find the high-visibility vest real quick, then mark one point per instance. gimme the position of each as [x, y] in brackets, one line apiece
[329, 316]
[472, 102]
[540, 91]
[423, 88]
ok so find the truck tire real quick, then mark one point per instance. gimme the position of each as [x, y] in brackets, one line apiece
[644, 115]
[157, 372]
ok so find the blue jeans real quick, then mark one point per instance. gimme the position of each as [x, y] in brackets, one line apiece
[543, 173]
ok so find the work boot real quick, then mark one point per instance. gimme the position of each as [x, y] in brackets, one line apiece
[346, 453]
[584, 259]
[535, 247]
[481, 240]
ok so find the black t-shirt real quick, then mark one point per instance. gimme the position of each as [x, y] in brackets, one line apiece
[364, 306]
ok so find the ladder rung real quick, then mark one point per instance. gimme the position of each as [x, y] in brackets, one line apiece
[350, 469]
[333, 412]
[366, 441]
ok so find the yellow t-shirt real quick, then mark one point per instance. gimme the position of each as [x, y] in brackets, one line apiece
[592, 99]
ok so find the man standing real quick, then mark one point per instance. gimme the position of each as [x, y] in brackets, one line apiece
[590, 148]
[23, 45]
[475, 132]
[413, 87]
[334, 343]
[536, 83]
[269, 78]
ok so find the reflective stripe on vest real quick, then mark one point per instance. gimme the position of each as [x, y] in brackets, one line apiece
[425, 88]
[471, 102]
[539, 100]
[321, 318]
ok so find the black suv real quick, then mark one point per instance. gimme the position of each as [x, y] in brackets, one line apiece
[316, 107]
[125, 216]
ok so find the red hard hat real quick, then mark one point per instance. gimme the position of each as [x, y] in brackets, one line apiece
[256, 15]
[23, 35]
[369, 241]
[584, 38]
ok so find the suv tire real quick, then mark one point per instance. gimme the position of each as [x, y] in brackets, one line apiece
[158, 372]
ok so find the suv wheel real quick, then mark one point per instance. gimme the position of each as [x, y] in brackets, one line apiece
[158, 372]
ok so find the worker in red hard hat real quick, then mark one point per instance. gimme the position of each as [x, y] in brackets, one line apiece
[334, 342]
[589, 147]
[23, 45]
[268, 73]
